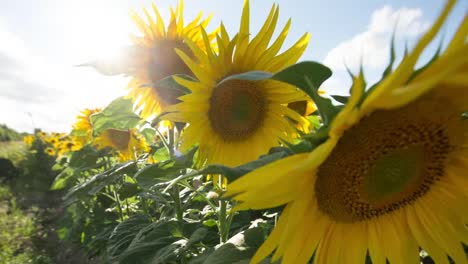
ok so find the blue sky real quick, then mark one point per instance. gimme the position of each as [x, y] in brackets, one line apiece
[41, 41]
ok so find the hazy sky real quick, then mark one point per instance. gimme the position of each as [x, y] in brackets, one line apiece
[42, 40]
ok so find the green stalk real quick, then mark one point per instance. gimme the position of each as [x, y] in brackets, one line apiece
[163, 140]
[223, 227]
[171, 142]
[145, 206]
[229, 221]
[119, 206]
[175, 188]
[178, 205]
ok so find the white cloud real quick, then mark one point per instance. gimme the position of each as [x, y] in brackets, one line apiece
[371, 47]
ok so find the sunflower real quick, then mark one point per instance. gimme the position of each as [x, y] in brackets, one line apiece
[29, 140]
[127, 143]
[50, 151]
[234, 121]
[66, 144]
[391, 177]
[83, 129]
[155, 57]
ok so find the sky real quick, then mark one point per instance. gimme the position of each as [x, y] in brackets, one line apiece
[42, 41]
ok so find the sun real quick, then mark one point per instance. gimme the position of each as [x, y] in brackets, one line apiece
[99, 28]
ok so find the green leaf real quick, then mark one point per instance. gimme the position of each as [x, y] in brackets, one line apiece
[151, 242]
[233, 173]
[318, 137]
[149, 134]
[63, 179]
[163, 171]
[99, 181]
[315, 120]
[169, 84]
[308, 76]
[161, 154]
[128, 190]
[170, 253]
[340, 98]
[83, 158]
[300, 147]
[238, 249]
[197, 236]
[124, 233]
[80, 161]
[118, 114]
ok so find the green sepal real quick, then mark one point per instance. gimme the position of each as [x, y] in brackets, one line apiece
[389, 69]
[431, 60]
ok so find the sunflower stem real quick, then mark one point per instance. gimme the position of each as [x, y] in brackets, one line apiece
[175, 188]
[229, 221]
[178, 206]
[163, 140]
[145, 206]
[119, 205]
[223, 227]
[171, 141]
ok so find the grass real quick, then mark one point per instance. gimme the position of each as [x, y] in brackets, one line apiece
[30, 214]
[17, 228]
[13, 150]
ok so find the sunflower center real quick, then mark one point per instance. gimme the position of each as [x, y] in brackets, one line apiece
[392, 173]
[119, 138]
[165, 62]
[386, 161]
[237, 109]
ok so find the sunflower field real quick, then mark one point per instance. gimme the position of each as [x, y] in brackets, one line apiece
[226, 150]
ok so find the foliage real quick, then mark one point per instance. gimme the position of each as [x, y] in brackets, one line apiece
[13, 150]
[16, 228]
[8, 134]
